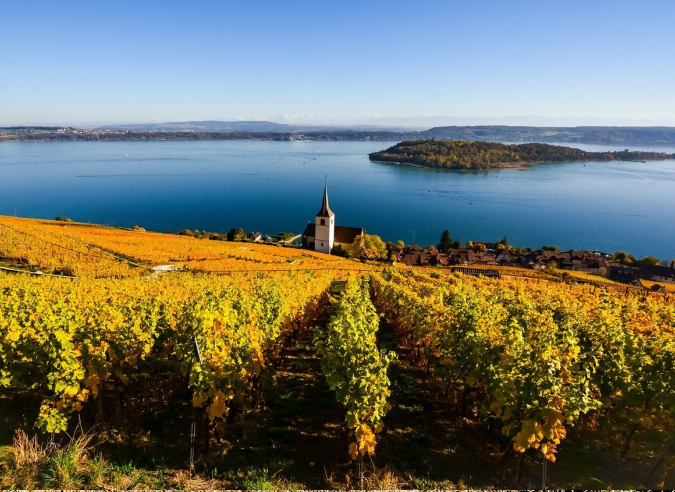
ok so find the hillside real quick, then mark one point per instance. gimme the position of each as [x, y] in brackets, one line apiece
[76, 249]
[599, 135]
[464, 155]
[263, 367]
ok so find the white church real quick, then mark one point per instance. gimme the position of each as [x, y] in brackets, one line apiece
[323, 234]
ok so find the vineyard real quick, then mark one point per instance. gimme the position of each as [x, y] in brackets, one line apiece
[255, 366]
[84, 250]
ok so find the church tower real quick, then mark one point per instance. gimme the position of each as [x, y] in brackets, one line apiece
[325, 226]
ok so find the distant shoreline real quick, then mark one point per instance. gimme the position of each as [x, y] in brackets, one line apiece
[614, 136]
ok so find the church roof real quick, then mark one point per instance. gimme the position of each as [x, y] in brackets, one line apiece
[346, 235]
[342, 234]
[325, 209]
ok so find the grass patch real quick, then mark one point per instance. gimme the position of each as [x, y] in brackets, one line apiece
[30, 464]
[261, 479]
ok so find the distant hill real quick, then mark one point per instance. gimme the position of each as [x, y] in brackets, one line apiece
[204, 126]
[246, 127]
[606, 135]
[465, 155]
[268, 130]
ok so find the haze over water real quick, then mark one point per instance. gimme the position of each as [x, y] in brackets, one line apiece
[276, 186]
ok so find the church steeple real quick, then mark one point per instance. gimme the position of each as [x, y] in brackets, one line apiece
[325, 209]
[324, 227]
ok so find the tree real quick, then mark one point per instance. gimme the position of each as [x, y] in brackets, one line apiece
[236, 234]
[649, 260]
[457, 244]
[504, 241]
[469, 245]
[480, 247]
[184, 232]
[399, 245]
[370, 247]
[391, 252]
[623, 257]
[549, 248]
[446, 242]
[338, 250]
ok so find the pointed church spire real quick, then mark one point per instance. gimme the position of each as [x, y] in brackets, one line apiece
[325, 209]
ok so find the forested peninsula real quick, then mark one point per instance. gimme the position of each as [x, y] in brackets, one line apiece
[464, 155]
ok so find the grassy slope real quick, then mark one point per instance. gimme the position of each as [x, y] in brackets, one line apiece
[295, 438]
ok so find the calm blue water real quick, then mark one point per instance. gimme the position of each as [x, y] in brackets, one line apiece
[277, 186]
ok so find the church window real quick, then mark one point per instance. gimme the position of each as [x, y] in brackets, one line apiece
[323, 221]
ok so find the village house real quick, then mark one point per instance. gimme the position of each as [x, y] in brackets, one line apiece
[657, 273]
[416, 256]
[503, 256]
[659, 289]
[578, 261]
[323, 234]
[622, 273]
[471, 257]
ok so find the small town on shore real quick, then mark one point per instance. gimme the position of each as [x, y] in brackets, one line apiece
[499, 254]
[323, 235]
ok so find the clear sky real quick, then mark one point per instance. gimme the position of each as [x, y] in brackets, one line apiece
[86, 62]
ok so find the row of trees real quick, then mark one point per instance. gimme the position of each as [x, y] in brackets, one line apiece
[234, 234]
[447, 244]
[630, 260]
[369, 247]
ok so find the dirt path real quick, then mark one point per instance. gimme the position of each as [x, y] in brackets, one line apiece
[426, 442]
[299, 434]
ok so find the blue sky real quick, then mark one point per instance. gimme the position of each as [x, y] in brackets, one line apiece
[80, 62]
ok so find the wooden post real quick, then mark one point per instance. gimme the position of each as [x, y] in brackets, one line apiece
[662, 457]
[626, 444]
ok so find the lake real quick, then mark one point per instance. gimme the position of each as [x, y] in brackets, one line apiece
[277, 186]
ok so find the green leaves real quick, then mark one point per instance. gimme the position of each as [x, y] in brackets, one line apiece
[71, 341]
[537, 356]
[354, 367]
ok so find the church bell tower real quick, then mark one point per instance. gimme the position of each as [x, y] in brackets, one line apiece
[325, 226]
